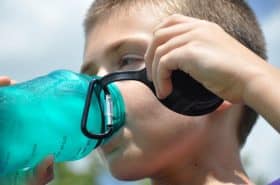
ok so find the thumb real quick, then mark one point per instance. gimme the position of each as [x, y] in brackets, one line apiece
[4, 80]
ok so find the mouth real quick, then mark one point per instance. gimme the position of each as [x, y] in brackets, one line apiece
[113, 145]
[109, 148]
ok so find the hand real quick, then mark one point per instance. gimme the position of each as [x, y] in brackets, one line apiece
[203, 50]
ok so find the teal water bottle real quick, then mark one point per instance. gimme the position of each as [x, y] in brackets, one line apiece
[19, 177]
[42, 117]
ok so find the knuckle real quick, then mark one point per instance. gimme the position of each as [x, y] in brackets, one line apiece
[159, 51]
[199, 30]
[204, 30]
[158, 35]
[164, 62]
[173, 18]
[191, 51]
[205, 25]
[214, 25]
[211, 25]
[198, 33]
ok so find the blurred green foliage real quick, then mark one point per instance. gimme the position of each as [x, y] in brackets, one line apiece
[64, 176]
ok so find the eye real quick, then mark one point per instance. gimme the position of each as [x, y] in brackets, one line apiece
[131, 62]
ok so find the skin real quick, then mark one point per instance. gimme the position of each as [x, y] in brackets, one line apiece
[4, 81]
[43, 172]
[224, 66]
[155, 142]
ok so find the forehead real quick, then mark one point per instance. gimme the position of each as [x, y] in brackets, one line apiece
[132, 24]
[142, 15]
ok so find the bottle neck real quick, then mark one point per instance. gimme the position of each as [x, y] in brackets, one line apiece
[111, 108]
[116, 115]
[118, 107]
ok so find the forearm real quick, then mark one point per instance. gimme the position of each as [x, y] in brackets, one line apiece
[262, 93]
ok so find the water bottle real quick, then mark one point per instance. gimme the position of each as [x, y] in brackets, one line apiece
[19, 177]
[42, 117]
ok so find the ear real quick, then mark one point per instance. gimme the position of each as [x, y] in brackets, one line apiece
[224, 106]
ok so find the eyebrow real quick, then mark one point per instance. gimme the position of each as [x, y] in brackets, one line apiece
[90, 66]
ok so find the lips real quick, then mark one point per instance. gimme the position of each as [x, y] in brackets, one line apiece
[110, 148]
[113, 144]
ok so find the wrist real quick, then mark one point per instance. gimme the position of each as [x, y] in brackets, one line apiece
[258, 80]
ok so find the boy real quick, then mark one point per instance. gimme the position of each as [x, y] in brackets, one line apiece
[155, 142]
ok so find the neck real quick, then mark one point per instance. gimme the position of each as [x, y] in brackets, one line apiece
[196, 175]
[212, 171]
[217, 162]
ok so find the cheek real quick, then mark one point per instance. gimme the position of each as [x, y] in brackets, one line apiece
[148, 121]
[139, 100]
[150, 126]
[144, 113]
[150, 129]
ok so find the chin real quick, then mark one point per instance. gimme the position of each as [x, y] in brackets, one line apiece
[126, 175]
[128, 170]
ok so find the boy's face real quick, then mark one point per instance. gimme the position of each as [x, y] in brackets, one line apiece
[153, 136]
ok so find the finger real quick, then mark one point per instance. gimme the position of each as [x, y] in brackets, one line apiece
[178, 58]
[166, 66]
[153, 76]
[44, 172]
[161, 37]
[164, 83]
[4, 80]
[175, 19]
[162, 67]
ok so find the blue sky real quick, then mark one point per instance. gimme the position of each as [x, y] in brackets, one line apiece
[40, 36]
[264, 8]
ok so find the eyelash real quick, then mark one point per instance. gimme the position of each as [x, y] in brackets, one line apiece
[126, 60]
